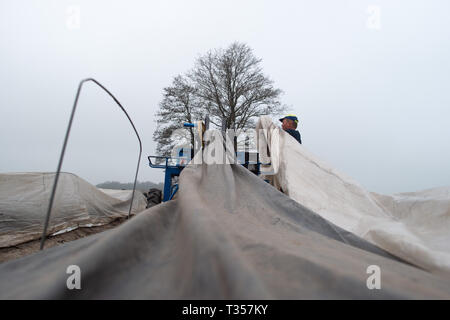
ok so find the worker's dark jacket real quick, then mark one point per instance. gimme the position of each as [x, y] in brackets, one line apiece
[295, 134]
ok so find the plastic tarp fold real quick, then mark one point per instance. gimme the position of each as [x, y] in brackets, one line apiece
[226, 235]
[24, 199]
[414, 226]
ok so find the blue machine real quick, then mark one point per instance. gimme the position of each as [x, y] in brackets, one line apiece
[171, 171]
[174, 165]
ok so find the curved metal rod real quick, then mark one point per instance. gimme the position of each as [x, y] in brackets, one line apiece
[55, 183]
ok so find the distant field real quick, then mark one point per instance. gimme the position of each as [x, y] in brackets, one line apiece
[143, 186]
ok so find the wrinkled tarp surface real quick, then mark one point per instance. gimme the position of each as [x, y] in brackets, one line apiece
[226, 235]
[414, 226]
[24, 201]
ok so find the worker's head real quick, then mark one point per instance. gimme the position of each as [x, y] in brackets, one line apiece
[289, 122]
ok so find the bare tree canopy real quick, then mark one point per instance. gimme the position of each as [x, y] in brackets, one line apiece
[233, 88]
[228, 84]
[180, 104]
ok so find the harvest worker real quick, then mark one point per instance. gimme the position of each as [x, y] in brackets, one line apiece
[289, 124]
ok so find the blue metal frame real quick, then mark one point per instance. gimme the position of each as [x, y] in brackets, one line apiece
[174, 190]
[171, 171]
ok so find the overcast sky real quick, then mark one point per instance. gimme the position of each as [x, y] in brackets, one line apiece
[369, 80]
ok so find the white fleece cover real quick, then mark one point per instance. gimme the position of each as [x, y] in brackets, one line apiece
[414, 226]
[24, 199]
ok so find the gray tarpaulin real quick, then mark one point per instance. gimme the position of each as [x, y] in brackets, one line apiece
[24, 201]
[227, 235]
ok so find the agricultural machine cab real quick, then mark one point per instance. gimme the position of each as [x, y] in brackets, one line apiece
[174, 165]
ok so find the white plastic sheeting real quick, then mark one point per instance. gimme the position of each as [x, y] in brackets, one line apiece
[414, 226]
[24, 199]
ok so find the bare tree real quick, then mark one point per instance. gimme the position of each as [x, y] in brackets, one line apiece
[180, 104]
[232, 87]
[226, 84]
